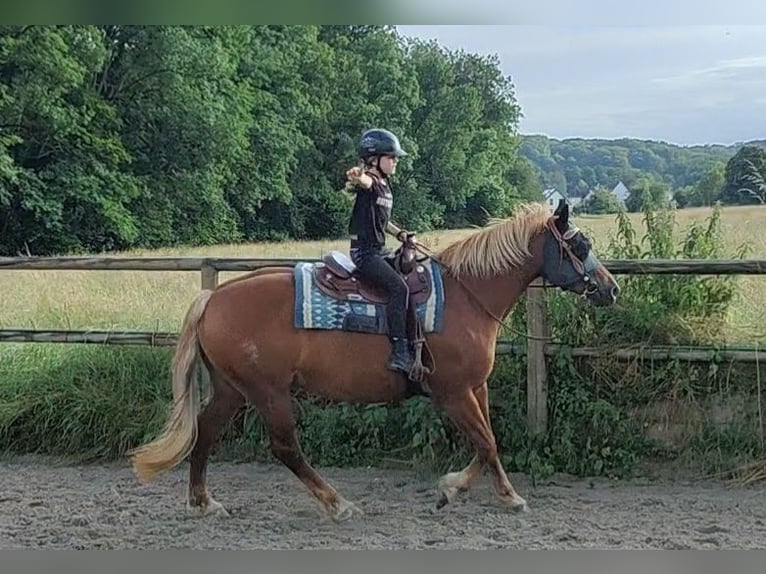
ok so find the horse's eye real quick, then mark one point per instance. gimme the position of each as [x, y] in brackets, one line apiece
[581, 248]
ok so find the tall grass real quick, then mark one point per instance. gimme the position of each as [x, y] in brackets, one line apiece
[87, 402]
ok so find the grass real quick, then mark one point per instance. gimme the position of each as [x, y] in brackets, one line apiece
[746, 322]
[157, 300]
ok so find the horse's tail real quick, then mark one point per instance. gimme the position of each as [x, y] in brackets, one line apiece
[180, 431]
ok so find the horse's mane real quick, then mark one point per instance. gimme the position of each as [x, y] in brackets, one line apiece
[497, 248]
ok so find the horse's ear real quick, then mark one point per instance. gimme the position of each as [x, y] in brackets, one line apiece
[562, 216]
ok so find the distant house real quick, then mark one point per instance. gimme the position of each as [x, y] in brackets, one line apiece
[552, 197]
[621, 192]
[575, 201]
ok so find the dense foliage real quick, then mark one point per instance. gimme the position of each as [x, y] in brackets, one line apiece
[117, 137]
[120, 137]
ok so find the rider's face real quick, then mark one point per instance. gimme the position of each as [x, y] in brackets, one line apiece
[388, 164]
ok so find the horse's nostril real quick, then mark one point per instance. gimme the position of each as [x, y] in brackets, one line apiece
[615, 290]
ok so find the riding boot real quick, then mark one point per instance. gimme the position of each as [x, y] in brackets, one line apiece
[401, 355]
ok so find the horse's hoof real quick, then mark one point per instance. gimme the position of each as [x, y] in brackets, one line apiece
[212, 507]
[517, 504]
[442, 502]
[215, 507]
[345, 511]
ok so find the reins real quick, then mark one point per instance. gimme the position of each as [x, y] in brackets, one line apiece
[428, 253]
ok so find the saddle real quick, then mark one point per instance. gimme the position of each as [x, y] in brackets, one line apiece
[336, 276]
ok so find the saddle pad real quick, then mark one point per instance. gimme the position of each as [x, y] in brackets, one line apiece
[315, 310]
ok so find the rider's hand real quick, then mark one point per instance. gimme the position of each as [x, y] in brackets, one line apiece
[354, 173]
[356, 176]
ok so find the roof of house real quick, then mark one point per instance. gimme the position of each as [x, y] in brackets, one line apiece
[552, 190]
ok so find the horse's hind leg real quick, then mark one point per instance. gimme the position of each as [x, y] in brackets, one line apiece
[223, 405]
[502, 484]
[275, 406]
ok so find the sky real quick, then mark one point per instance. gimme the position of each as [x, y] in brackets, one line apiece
[698, 84]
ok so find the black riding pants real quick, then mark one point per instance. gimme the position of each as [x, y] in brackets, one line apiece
[374, 268]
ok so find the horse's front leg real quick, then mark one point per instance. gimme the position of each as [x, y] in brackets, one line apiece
[453, 483]
[469, 410]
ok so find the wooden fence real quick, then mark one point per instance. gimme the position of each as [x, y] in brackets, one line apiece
[537, 324]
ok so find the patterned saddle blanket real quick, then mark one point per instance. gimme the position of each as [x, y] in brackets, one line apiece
[330, 295]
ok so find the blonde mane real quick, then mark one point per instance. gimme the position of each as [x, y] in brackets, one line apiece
[498, 247]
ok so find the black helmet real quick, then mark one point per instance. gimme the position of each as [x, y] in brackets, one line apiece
[380, 142]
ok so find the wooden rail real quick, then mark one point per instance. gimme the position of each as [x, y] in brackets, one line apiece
[537, 324]
[618, 266]
[504, 347]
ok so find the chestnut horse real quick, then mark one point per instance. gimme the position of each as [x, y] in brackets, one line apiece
[244, 335]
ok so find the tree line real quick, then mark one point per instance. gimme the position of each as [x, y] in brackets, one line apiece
[653, 171]
[120, 137]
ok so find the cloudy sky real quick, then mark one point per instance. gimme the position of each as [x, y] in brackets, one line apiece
[681, 84]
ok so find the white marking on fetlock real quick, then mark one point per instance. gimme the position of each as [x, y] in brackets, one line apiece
[345, 510]
[213, 507]
[452, 483]
[454, 480]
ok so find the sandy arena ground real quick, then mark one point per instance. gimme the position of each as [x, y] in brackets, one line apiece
[44, 504]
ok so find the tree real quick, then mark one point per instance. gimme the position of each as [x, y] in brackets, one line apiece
[63, 187]
[648, 191]
[602, 200]
[117, 137]
[744, 176]
[710, 186]
[465, 125]
[744, 172]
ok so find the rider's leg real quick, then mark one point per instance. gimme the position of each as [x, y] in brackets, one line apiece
[375, 269]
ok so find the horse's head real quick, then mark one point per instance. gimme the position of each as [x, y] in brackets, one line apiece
[570, 263]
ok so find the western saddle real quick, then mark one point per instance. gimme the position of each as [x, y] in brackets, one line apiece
[336, 276]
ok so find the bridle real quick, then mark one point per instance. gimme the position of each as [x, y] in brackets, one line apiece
[579, 265]
[562, 240]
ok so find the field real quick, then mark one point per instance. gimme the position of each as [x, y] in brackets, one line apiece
[157, 300]
[740, 226]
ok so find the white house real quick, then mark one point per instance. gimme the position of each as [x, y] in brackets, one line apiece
[575, 201]
[552, 197]
[621, 192]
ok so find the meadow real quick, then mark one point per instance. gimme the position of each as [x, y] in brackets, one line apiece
[157, 300]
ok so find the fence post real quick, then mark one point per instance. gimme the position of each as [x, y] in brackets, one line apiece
[209, 276]
[537, 379]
